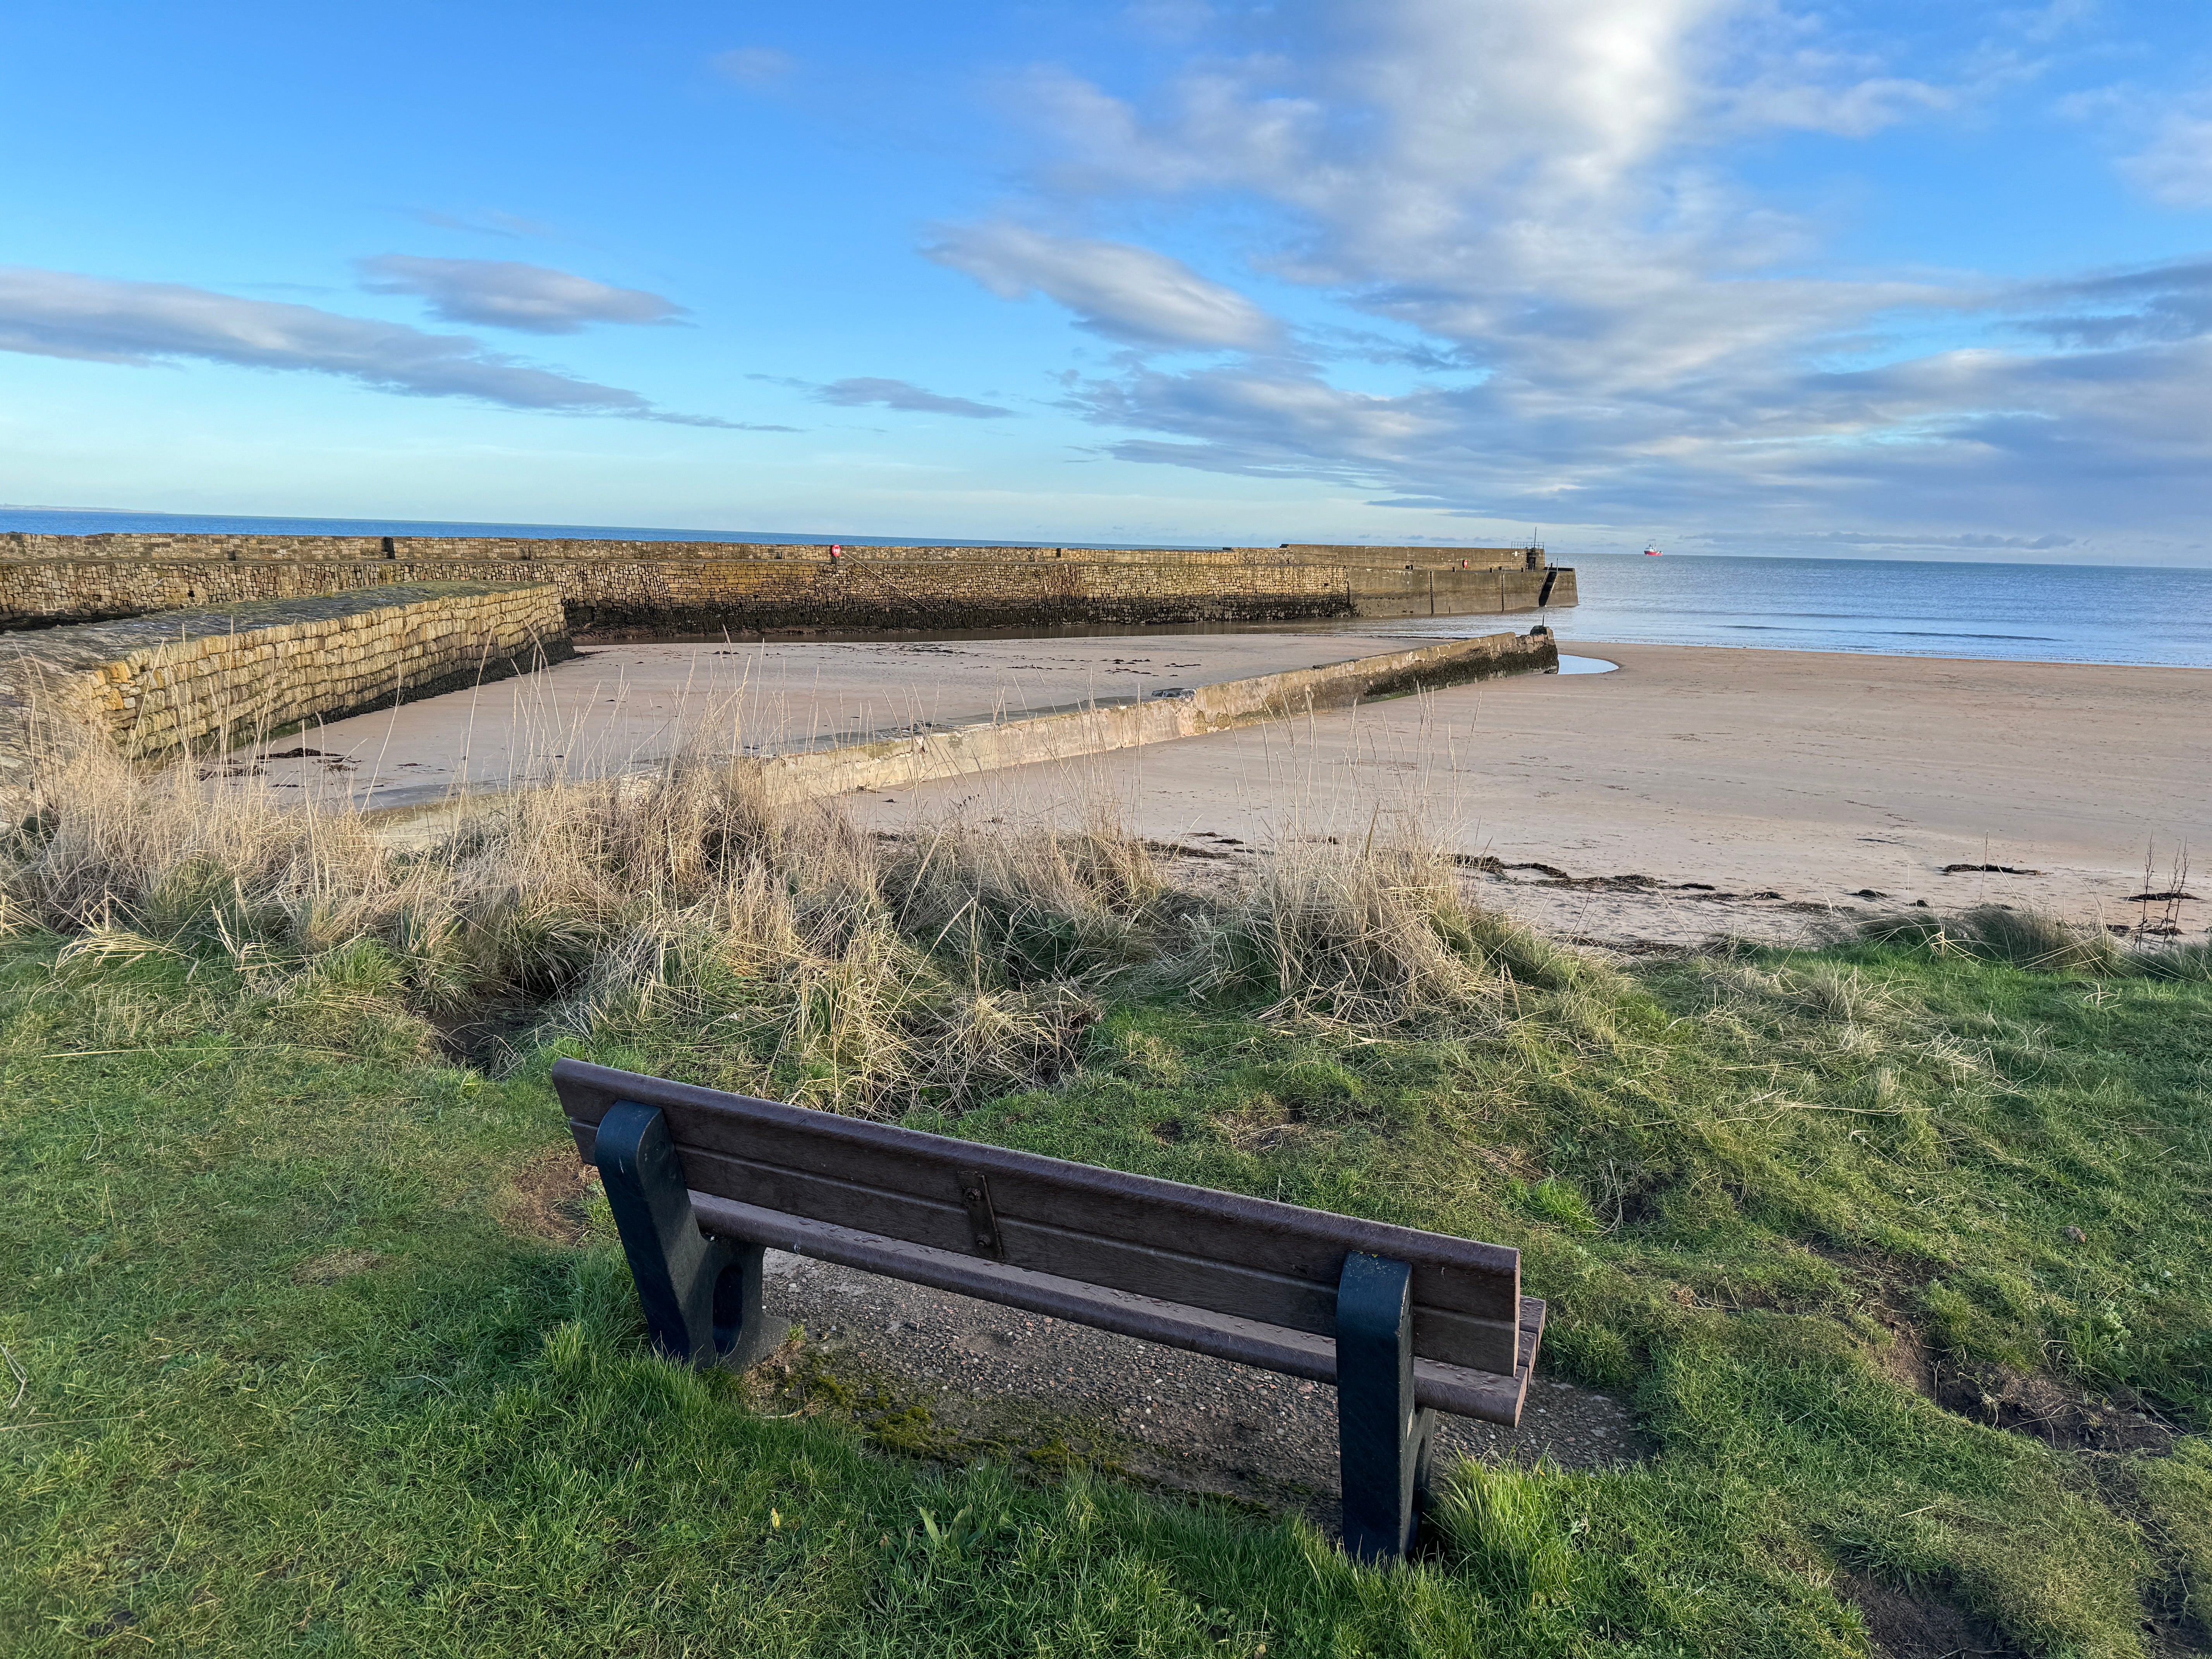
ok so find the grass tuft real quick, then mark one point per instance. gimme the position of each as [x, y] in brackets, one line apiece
[1504, 1523]
[1377, 936]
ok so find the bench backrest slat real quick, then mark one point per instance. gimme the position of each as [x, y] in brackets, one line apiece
[1247, 1257]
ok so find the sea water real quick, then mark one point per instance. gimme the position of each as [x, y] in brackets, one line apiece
[2026, 612]
[2023, 613]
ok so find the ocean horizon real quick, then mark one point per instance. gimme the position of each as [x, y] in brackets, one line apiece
[2127, 616]
[2124, 614]
[108, 521]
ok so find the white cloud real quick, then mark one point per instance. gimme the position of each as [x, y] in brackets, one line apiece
[1128, 293]
[2174, 168]
[1387, 122]
[1513, 180]
[1857, 109]
[2047, 444]
[868, 391]
[506, 294]
[54, 313]
[1531, 196]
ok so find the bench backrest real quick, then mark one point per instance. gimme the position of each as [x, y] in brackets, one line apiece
[1244, 1257]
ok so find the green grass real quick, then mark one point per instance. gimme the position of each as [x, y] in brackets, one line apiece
[292, 1385]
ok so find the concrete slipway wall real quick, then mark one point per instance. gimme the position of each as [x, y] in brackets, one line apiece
[162, 683]
[1094, 728]
[1163, 717]
[616, 588]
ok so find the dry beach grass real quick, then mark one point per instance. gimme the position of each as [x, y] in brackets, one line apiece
[888, 971]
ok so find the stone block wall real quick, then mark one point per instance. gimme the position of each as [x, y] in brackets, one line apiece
[616, 588]
[1452, 593]
[1421, 558]
[160, 684]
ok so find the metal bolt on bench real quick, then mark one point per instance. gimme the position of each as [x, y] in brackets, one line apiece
[1404, 1323]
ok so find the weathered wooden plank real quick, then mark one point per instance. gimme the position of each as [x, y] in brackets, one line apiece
[1070, 1195]
[1487, 1395]
[1290, 1244]
[1305, 1245]
[1170, 1275]
[1483, 1345]
[942, 1224]
[1480, 1280]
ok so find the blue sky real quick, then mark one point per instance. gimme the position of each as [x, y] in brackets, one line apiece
[1860, 280]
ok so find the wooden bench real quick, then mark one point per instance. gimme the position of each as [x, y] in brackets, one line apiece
[1403, 1323]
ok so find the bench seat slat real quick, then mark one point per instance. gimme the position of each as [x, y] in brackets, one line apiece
[1142, 1269]
[1489, 1396]
[1480, 1282]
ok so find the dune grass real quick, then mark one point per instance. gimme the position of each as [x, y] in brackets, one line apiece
[293, 1378]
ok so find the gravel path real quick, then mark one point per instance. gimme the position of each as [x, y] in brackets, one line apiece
[1181, 1419]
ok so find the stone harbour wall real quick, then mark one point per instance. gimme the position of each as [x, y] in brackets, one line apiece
[616, 589]
[159, 684]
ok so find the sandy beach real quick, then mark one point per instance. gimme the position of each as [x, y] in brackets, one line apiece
[1696, 790]
[1837, 785]
[616, 707]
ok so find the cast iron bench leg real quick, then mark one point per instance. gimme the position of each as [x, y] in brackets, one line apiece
[702, 1295]
[1382, 1439]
